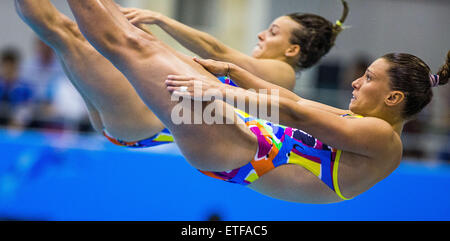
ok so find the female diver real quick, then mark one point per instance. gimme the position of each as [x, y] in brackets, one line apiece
[292, 43]
[362, 147]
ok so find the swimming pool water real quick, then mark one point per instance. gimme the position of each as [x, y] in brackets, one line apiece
[64, 176]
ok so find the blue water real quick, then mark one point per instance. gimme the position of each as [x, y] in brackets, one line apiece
[59, 176]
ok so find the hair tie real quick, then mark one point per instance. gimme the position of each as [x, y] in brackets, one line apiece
[434, 80]
[339, 23]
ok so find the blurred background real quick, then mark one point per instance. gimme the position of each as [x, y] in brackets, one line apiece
[54, 167]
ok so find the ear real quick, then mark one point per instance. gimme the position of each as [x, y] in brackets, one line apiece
[293, 51]
[395, 98]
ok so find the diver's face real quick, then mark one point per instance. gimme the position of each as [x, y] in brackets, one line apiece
[274, 42]
[372, 90]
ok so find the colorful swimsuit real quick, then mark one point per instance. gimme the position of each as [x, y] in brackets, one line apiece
[277, 145]
[227, 80]
[164, 137]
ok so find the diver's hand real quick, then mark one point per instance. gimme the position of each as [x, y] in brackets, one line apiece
[199, 88]
[138, 16]
[215, 67]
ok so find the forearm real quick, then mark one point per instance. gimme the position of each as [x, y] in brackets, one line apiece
[201, 43]
[324, 107]
[279, 110]
[247, 80]
[261, 105]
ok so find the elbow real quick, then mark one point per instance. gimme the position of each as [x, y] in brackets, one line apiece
[215, 49]
[218, 49]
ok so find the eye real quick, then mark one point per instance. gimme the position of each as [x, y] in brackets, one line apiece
[272, 32]
[368, 77]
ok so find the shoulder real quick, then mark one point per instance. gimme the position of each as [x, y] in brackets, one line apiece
[271, 70]
[371, 125]
[277, 72]
[379, 134]
[376, 123]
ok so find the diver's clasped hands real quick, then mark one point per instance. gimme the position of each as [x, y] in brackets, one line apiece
[216, 68]
[138, 16]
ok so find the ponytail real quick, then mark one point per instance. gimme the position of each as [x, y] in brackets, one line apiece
[444, 71]
[412, 76]
[338, 27]
[316, 36]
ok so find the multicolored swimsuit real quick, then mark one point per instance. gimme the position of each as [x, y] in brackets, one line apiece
[164, 137]
[227, 80]
[277, 145]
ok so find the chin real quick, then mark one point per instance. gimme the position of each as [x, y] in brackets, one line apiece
[354, 109]
[351, 107]
[256, 54]
[358, 111]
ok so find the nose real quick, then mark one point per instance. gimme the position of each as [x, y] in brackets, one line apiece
[261, 36]
[356, 84]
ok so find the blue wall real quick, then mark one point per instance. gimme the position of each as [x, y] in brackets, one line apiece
[68, 177]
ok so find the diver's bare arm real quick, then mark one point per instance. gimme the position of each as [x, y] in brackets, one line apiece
[353, 135]
[201, 43]
[247, 80]
[206, 46]
[209, 47]
[364, 136]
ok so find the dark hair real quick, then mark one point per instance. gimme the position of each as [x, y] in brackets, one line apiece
[412, 76]
[316, 37]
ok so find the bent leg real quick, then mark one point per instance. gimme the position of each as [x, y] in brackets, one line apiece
[146, 62]
[112, 102]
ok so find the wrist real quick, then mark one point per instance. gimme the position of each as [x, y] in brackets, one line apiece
[231, 69]
[160, 19]
[166, 23]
